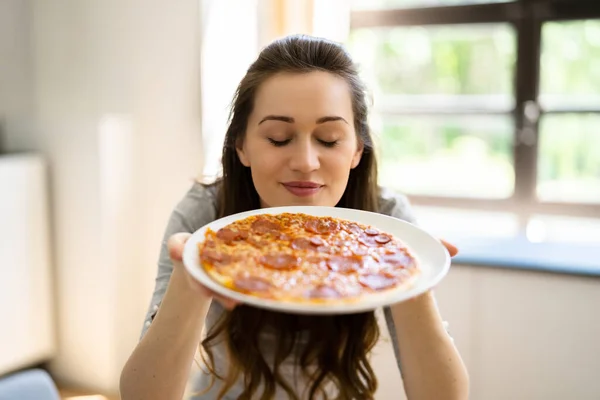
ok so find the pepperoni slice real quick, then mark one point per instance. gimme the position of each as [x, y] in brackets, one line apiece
[368, 241]
[345, 265]
[324, 249]
[263, 225]
[316, 241]
[322, 227]
[396, 260]
[228, 235]
[258, 243]
[323, 292]
[371, 232]
[382, 239]
[360, 250]
[353, 228]
[317, 261]
[284, 237]
[334, 226]
[341, 243]
[311, 225]
[214, 257]
[279, 261]
[252, 284]
[377, 281]
[398, 274]
[301, 244]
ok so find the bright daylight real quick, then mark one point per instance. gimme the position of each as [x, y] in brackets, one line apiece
[300, 199]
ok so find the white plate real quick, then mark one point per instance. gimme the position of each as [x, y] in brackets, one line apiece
[432, 257]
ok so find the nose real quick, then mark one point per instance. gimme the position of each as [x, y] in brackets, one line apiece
[305, 157]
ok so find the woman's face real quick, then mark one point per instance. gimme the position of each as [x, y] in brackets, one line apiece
[300, 142]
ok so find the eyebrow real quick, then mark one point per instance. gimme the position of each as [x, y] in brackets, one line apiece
[290, 120]
[331, 118]
[282, 118]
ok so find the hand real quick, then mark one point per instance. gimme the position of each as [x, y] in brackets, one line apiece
[428, 295]
[175, 245]
[450, 247]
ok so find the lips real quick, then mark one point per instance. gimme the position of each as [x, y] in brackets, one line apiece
[303, 188]
[303, 184]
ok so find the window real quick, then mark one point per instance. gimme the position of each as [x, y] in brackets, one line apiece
[569, 130]
[382, 4]
[487, 112]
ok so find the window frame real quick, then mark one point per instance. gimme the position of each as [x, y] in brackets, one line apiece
[527, 18]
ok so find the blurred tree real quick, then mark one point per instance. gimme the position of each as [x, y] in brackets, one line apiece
[479, 60]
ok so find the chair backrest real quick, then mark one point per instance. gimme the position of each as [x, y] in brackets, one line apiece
[33, 384]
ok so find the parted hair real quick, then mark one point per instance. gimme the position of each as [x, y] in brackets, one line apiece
[336, 348]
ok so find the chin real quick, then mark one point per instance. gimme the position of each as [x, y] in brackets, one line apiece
[312, 201]
[286, 199]
[290, 201]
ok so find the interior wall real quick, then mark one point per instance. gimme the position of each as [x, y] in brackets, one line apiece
[116, 111]
[16, 75]
[523, 335]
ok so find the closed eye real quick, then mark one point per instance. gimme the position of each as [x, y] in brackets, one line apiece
[279, 143]
[328, 144]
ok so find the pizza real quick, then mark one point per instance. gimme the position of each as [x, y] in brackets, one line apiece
[295, 257]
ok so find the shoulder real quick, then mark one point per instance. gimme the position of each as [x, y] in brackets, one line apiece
[197, 208]
[395, 205]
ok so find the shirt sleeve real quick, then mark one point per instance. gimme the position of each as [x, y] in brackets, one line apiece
[195, 210]
[397, 206]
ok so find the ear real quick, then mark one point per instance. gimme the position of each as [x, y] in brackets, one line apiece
[357, 155]
[241, 153]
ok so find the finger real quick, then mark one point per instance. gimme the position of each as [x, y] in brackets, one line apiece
[176, 244]
[229, 304]
[226, 302]
[450, 247]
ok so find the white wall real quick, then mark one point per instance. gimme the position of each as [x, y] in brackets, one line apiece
[523, 335]
[16, 74]
[109, 92]
[27, 333]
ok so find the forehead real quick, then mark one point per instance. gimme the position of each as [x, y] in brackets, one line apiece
[308, 95]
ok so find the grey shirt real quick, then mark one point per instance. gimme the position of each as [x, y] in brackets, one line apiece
[198, 208]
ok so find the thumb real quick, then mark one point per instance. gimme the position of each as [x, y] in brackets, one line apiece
[176, 244]
[453, 250]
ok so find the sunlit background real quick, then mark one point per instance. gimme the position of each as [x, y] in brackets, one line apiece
[486, 114]
[445, 103]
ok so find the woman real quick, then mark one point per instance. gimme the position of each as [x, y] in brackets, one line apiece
[298, 135]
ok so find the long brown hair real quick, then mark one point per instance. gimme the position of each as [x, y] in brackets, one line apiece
[337, 347]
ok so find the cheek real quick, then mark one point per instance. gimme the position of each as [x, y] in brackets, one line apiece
[255, 151]
[265, 170]
[337, 168]
[344, 160]
[267, 165]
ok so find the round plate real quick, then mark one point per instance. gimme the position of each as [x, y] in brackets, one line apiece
[432, 258]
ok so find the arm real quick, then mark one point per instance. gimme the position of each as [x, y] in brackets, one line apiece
[159, 366]
[431, 365]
